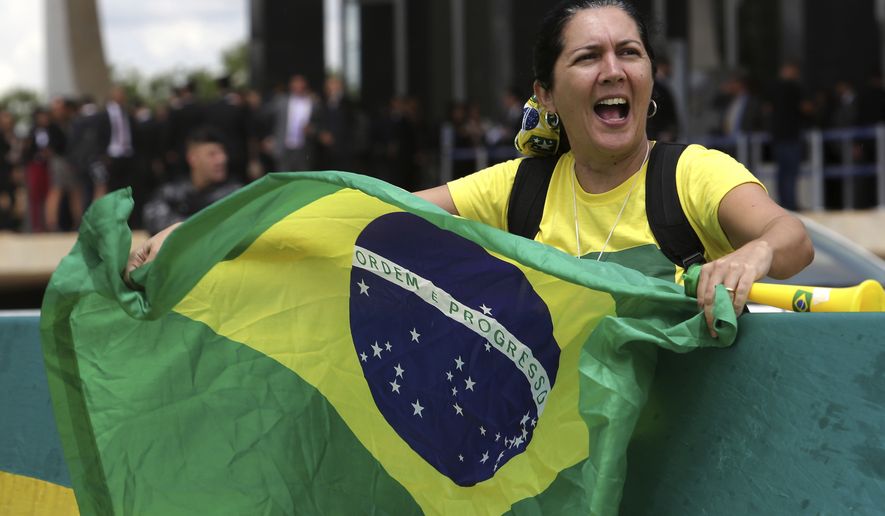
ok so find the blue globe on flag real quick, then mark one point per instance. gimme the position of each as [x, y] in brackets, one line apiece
[456, 374]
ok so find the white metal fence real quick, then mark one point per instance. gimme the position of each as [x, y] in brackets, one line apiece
[830, 155]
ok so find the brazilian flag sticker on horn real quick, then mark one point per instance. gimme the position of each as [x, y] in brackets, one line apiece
[802, 300]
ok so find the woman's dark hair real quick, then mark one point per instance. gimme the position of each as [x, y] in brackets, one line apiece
[549, 43]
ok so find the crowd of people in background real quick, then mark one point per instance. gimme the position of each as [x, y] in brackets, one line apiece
[745, 105]
[783, 110]
[73, 151]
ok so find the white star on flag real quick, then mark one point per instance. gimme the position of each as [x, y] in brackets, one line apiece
[485, 457]
[387, 346]
[517, 442]
[497, 437]
[488, 347]
[454, 391]
[399, 370]
[470, 383]
[458, 410]
[449, 376]
[394, 386]
[460, 458]
[459, 363]
[534, 422]
[418, 409]
[364, 289]
[482, 430]
[525, 419]
[485, 310]
[376, 350]
[364, 356]
[415, 334]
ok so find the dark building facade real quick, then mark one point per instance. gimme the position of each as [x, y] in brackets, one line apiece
[476, 49]
[285, 37]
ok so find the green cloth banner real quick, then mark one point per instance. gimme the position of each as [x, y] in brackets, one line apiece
[326, 343]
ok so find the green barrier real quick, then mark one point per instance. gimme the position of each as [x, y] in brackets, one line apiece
[789, 420]
[29, 442]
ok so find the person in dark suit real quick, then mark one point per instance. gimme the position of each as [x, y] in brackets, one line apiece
[260, 123]
[741, 111]
[148, 130]
[10, 155]
[295, 121]
[45, 143]
[87, 147]
[336, 128]
[229, 115]
[786, 132]
[116, 136]
[116, 131]
[185, 115]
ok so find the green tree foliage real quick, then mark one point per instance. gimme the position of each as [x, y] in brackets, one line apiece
[235, 60]
[159, 87]
[151, 89]
[21, 103]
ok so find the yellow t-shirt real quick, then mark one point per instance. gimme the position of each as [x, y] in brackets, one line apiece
[703, 177]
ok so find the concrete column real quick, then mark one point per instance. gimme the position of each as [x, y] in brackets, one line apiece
[679, 82]
[880, 19]
[459, 77]
[732, 33]
[75, 55]
[352, 46]
[333, 35]
[501, 45]
[400, 48]
[659, 17]
[702, 36]
[286, 38]
[793, 30]
[59, 69]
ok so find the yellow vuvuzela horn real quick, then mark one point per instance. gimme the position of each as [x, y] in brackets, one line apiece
[869, 296]
[866, 297]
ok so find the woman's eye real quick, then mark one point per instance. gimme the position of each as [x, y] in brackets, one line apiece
[630, 52]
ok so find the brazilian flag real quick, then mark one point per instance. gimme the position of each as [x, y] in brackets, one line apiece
[325, 343]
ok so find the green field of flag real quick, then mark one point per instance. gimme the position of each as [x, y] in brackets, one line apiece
[325, 343]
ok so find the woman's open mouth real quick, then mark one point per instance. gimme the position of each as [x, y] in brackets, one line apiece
[613, 109]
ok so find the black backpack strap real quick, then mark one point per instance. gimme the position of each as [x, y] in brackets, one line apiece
[678, 240]
[526, 204]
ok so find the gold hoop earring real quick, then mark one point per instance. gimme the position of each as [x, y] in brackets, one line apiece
[654, 106]
[552, 119]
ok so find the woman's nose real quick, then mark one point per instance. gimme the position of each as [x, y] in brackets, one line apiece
[612, 70]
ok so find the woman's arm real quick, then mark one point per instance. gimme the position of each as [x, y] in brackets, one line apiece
[439, 196]
[768, 241]
[148, 251]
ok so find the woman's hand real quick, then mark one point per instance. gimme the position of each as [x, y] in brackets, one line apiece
[769, 241]
[146, 252]
[737, 272]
